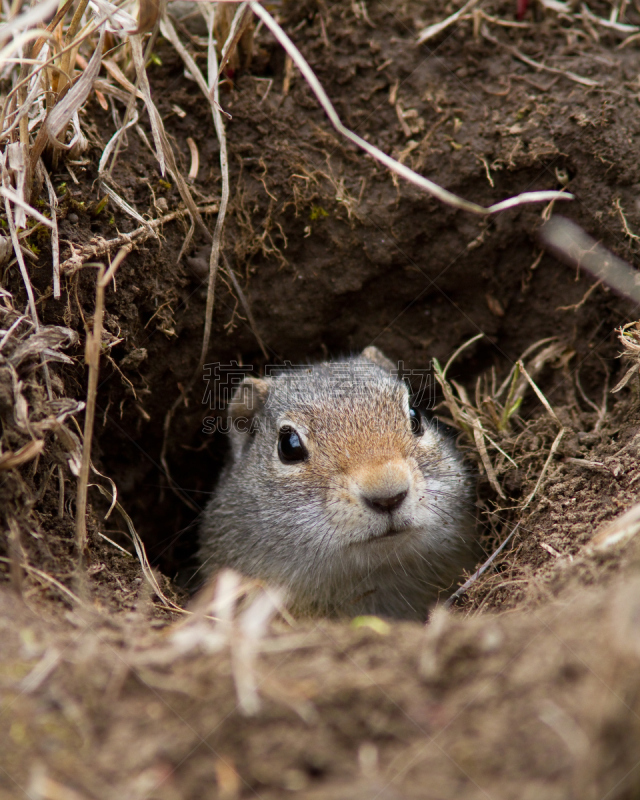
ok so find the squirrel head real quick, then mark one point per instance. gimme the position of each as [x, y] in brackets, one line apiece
[341, 433]
[340, 491]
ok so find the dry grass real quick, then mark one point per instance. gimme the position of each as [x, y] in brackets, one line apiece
[519, 455]
[491, 419]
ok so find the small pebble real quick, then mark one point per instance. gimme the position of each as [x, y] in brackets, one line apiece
[588, 438]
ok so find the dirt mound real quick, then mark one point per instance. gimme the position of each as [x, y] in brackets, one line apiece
[518, 705]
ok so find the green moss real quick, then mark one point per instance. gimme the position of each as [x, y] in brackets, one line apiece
[317, 212]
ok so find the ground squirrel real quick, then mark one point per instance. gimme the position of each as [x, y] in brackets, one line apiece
[341, 492]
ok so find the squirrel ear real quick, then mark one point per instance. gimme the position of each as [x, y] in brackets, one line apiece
[248, 398]
[372, 353]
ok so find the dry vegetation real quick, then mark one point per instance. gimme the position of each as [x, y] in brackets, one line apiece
[109, 686]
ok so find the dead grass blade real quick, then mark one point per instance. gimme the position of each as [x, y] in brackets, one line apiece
[163, 150]
[540, 395]
[113, 141]
[210, 91]
[30, 19]
[239, 24]
[141, 553]
[154, 116]
[536, 64]
[568, 242]
[395, 166]
[479, 435]
[18, 250]
[122, 204]
[214, 260]
[55, 239]
[26, 453]
[616, 533]
[10, 194]
[433, 30]
[67, 105]
[148, 14]
[554, 447]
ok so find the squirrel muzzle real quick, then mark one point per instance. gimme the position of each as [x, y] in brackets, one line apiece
[382, 487]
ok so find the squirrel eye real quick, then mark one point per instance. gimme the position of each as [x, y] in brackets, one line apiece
[290, 447]
[415, 418]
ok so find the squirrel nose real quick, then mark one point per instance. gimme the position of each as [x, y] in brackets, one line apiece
[385, 505]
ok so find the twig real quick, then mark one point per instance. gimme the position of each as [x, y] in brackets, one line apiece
[92, 358]
[395, 166]
[105, 246]
[459, 592]
[625, 224]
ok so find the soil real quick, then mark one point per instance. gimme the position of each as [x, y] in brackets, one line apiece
[527, 686]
